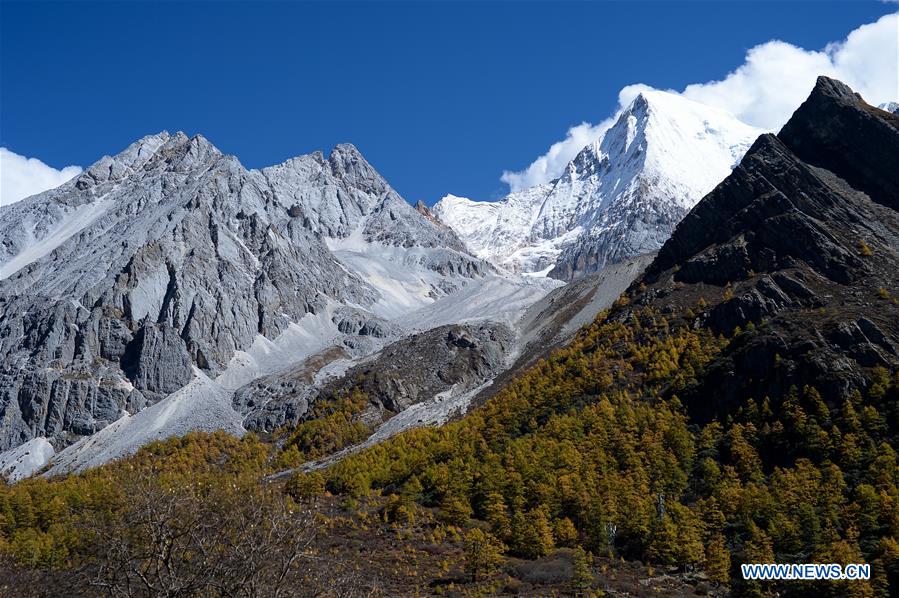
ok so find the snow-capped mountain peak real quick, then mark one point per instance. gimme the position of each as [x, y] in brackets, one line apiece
[620, 196]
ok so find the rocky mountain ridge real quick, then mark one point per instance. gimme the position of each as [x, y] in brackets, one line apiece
[167, 288]
[171, 258]
[800, 245]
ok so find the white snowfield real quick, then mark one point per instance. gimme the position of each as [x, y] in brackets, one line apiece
[267, 356]
[399, 274]
[660, 157]
[25, 460]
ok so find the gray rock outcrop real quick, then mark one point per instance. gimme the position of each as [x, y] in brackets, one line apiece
[172, 256]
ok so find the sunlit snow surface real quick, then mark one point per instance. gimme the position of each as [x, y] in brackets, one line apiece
[399, 274]
[301, 340]
[496, 298]
[24, 460]
[661, 156]
[418, 298]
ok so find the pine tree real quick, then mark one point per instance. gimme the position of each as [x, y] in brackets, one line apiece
[483, 553]
[497, 515]
[717, 559]
[582, 579]
[565, 533]
[455, 510]
[532, 535]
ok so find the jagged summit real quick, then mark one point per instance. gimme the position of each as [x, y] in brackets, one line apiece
[830, 126]
[158, 266]
[803, 238]
[619, 197]
[834, 129]
[344, 194]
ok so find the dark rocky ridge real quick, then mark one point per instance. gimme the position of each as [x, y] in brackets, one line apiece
[802, 242]
[854, 140]
[416, 368]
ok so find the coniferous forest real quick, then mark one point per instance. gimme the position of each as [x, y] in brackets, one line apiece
[666, 354]
[593, 450]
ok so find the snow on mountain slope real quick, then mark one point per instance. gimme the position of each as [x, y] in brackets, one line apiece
[200, 405]
[490, 229]
[35, 226]
[620, 197]
[23, 461]
[406, 278]
[299, 340]
[496, 298]
[70, 222]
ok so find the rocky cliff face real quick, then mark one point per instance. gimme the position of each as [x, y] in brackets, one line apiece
[800, 244]
[429, 366]
[171, 258]
[620, 197]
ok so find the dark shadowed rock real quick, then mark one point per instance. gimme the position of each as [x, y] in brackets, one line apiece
[799, 248]
[836, 130]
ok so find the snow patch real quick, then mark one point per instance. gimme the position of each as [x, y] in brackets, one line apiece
[76, 220]
[496, 298]
[24, 460]
[399, 274]
[299, 341]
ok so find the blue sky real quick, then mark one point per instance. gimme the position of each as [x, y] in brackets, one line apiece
[440, 97]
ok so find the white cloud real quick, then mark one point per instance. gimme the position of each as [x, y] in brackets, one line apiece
[773, 80]
[776, 77]
[21, 177]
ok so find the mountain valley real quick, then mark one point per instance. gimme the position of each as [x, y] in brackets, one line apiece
[680, 356]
